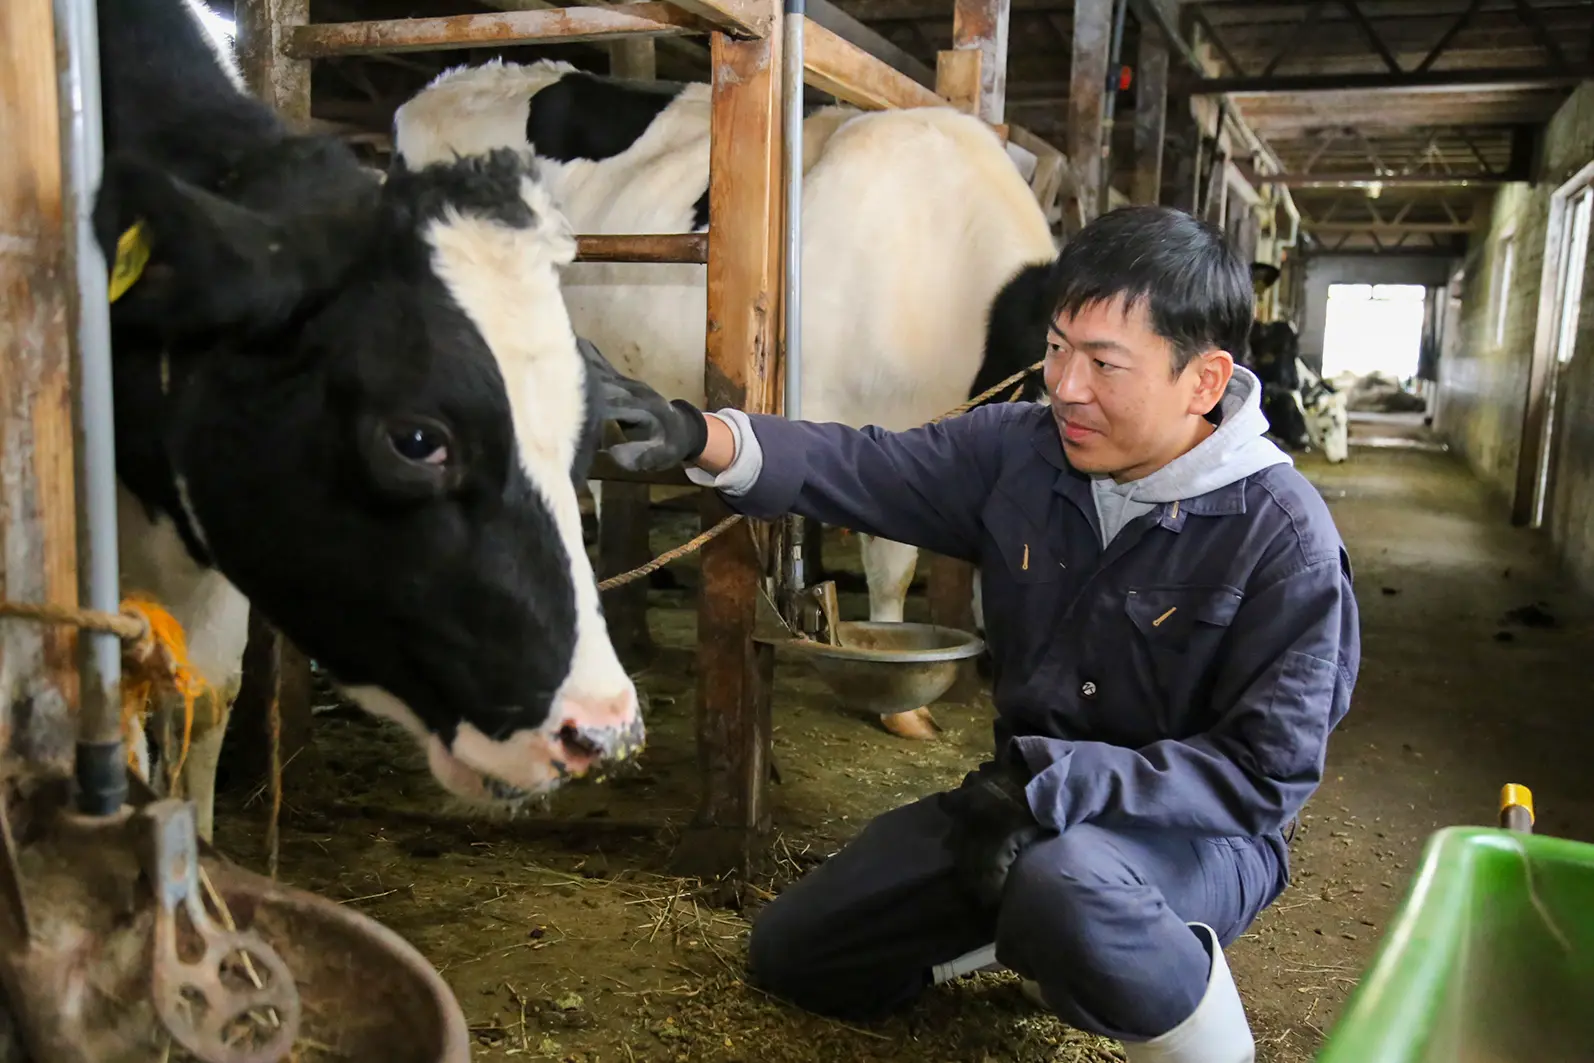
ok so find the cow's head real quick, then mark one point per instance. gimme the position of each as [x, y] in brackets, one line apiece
[366, 407]
[1328, 422]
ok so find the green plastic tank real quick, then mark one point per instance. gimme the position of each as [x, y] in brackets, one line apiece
[1489, 958]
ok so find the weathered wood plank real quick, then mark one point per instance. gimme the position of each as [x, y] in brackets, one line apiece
[743, 18]
[623, 546]
[981, 25]
[498, 29]
[1151, 118]
[283, 83]
[851, 30]
[957, 78]
[851, 74]
[1087, 103]
[270, 659]
[735, 674]
[38, 508]
[661, 247]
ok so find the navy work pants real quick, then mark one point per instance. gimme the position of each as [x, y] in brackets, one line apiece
[1097, 917]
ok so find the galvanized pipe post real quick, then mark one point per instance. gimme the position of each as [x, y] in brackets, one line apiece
[100, 766]
[795, 14]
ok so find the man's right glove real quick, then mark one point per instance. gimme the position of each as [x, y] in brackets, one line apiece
[659, 434]
[991, 825]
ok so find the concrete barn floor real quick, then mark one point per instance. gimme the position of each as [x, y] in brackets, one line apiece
[575, 944]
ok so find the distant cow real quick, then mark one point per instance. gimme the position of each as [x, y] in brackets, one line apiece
[1327, 416]
[1302, 410]
[360, 406]
[912, 223]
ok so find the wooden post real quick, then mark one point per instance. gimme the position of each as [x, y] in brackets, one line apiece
[250, 723]
[38, 508]
[981, 26]
[957, 77]
[623, 527]
[735, 674]
[1087, 103]
[284, 84]
[263, 26]
[634, 57]
[1151, 113]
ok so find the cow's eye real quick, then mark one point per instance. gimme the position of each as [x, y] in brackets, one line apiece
[421, 443]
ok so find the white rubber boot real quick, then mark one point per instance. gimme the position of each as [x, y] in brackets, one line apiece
[1216, 1032]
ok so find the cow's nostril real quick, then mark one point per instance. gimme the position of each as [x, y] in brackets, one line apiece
[572, 739]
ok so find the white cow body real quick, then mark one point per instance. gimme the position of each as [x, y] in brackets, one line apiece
[912, 221]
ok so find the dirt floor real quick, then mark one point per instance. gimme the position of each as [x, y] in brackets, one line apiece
[572, 943]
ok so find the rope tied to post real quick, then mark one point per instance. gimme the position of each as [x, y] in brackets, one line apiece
[154, 660]
[691, 546]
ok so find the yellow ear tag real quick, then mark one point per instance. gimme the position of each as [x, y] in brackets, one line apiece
[132, 252]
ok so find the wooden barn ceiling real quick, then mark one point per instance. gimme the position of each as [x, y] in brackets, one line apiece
[1388, 116]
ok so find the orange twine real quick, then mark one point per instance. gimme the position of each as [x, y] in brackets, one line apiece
[155, 664]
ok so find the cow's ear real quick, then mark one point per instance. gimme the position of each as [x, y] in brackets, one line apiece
[211, 265]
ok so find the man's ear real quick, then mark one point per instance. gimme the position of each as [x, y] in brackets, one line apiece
[1212, 370]
[213, 265]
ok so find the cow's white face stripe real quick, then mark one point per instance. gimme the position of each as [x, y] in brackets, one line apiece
[505, 280]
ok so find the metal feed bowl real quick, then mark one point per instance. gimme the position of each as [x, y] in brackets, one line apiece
[881, 668]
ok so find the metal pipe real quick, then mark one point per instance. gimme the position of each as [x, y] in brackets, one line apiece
[795, 14]
[1114, 62]
[100, 769]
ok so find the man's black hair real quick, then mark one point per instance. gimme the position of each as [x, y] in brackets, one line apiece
[1197, 291]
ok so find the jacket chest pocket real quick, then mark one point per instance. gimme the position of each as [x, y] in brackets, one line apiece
[1177, 634]
[1027, 552]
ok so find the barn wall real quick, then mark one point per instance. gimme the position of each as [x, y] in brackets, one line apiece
[1483, 388]
[1324, 270]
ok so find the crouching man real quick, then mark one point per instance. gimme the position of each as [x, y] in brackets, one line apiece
[1173, 633]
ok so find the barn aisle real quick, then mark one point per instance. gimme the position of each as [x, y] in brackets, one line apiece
[1464, 685]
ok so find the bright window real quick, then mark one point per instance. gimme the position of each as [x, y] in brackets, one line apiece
[1373, 328]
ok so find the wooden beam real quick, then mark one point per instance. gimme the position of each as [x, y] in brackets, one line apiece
[1425, 81]
[498, 29]
[851, 74]
[38, 508]
[1087, 103]
[1357, 180]
[1384, 229]
[743, 18]
[854, 32]
[651, 247]
[1151, 118]
[981, 26]
[735, 675]
[957, 78]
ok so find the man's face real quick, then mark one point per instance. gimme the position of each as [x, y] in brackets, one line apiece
[1119, 408]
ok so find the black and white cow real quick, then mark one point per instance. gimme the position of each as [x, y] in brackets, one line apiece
[913, 221]
[357, 404]
[1299, 416]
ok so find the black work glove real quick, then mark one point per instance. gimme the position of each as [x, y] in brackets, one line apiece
[659, 434]
[991, 826]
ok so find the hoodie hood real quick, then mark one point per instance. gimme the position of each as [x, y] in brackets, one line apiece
[1234, 451]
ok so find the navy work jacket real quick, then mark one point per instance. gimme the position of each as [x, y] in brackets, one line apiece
[1184, 678]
